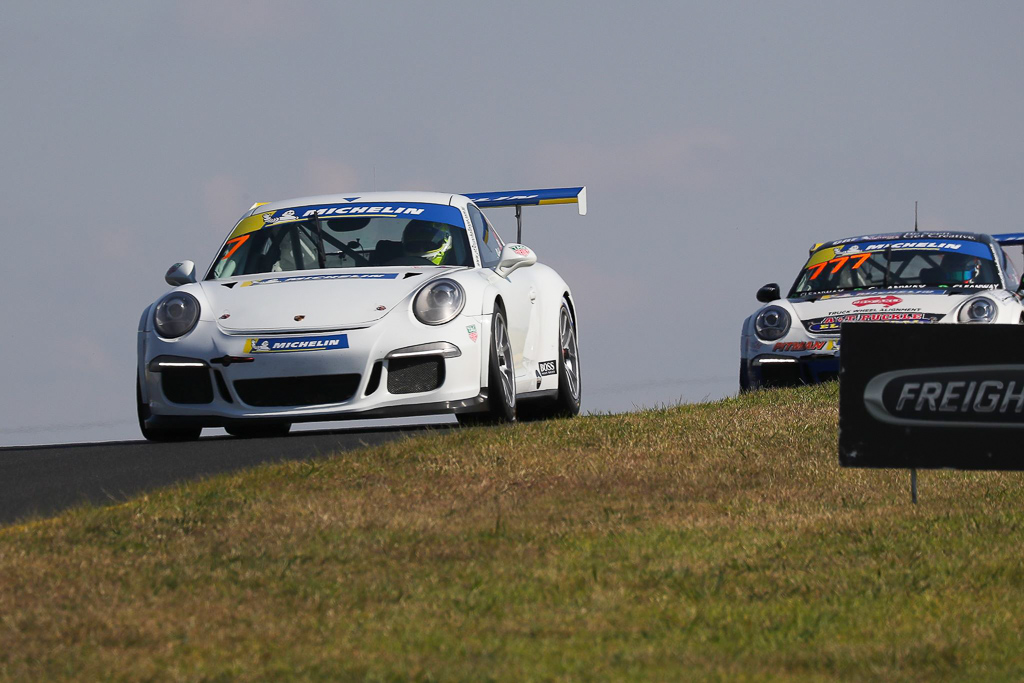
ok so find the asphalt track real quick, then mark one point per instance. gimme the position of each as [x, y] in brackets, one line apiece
[39, 481]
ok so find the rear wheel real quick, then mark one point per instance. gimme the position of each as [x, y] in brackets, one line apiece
[567, 402]
[501, 382]
[570, 385]
[160, 433]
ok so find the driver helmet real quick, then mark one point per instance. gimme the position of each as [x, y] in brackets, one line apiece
[966, 270]
[427, 240]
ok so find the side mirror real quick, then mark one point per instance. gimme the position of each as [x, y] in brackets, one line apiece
[770, 292]
[181, 274]
[514, 256]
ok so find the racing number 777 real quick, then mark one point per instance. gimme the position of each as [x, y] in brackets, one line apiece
[839, 263]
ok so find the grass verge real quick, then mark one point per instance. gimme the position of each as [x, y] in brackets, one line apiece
[716, 540]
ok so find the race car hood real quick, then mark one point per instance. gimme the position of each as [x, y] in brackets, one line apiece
[306, 301]
[823, 315]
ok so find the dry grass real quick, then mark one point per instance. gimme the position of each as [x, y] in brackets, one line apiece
[719, 540]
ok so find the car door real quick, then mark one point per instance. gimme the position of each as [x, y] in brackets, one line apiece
[518, 290]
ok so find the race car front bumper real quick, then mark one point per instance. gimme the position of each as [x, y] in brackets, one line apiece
[787, 371]
[390, 369]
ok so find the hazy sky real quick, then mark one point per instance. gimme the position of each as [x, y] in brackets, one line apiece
[718, 140]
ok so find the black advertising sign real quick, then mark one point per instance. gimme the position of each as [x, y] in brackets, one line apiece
[928, 396]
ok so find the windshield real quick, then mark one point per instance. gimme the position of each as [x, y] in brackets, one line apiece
[884, 264]
[296, 239]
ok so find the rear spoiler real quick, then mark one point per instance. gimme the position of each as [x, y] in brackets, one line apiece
[521, 198]
[1009, 239]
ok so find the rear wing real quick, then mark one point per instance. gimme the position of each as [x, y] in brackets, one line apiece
[1007, 239]
[521, 198]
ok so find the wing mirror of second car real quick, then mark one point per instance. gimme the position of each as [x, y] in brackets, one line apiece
[514, 256]
[181, 273]
[770, 292]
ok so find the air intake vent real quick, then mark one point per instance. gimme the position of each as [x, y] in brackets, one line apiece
[187, 385]
[413, 375]
[312, 390]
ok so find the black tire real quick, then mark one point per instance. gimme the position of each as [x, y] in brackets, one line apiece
[261, 430]
[501, 393]
[570, 381]
[160, 433]
[744, 377]
[567, 402]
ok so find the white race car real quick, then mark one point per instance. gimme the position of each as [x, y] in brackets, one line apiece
[913, 277]
[366, 305]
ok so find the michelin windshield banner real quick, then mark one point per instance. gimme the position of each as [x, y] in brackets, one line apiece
[930, 396]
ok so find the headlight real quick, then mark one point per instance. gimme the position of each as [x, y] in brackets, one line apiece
[772, 323]
[176, 315]
[439, 302]
[980, 309]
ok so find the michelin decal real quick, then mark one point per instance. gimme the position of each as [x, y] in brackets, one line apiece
[291, 344]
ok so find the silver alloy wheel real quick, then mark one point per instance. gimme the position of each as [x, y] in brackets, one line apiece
[503, 348]
[570, 352]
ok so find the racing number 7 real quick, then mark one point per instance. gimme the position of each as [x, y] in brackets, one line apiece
[838, 264]
[239, 241]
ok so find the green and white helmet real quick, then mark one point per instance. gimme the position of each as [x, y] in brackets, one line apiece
[428, 240]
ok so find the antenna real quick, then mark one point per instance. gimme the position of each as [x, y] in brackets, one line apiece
[915, 215]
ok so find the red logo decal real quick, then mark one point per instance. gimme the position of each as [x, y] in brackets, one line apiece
[522, 252]
[886, 301]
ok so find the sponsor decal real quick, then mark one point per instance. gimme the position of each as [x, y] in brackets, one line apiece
[292, 344]
[830, 324]
[505, 198]
[800, 346]
[520, 249]
[342, 208]
[887, 301]
[970, 395]
[904, 290]
[896, 246]
[270, 219]
[906, 236]
[352, 210]
[471, 331]
[305, 278]
[548, 367]
[328, 211]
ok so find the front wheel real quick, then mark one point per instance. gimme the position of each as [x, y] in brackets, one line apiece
[744, 377]
[160, 433]
[501, 378]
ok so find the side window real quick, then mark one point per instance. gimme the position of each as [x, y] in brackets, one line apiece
[486, 238]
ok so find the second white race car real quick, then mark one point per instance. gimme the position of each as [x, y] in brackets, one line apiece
[357, 306]
[913, 277]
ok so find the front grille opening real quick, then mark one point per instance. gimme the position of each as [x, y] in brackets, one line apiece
[413, 375]
[374, 382]
[781, 375]
[186, 385]
[311, 390]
